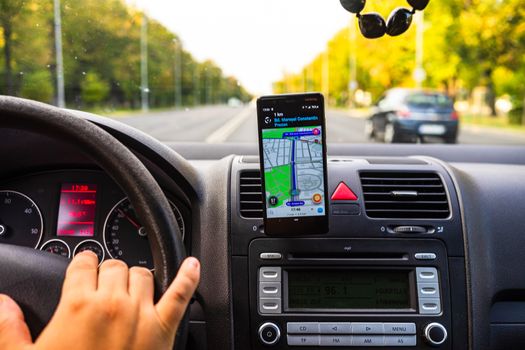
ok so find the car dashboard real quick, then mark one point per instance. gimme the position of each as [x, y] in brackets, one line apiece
[439, 271]
[70, 210]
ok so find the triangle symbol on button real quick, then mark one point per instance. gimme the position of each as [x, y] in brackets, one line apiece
[343, 193]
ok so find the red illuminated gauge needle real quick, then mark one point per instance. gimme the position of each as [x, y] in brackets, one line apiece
[133, 222]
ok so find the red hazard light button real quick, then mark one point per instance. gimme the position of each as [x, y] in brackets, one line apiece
[343, 193]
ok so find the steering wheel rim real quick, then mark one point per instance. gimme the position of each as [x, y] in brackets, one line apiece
[149, 202]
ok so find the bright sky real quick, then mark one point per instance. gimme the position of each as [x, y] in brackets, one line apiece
[256, 41]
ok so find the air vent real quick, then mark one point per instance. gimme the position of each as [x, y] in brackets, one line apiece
[404, 195]
[250, 195]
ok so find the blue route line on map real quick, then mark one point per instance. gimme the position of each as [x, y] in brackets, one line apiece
[293, 170]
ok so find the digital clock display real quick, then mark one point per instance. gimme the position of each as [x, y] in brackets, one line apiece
[348, 289]
[76, 214]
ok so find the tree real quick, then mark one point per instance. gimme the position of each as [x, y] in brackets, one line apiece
[9, 10]
[101, 48]
[94, 89]
[468, 43]
[38, 86]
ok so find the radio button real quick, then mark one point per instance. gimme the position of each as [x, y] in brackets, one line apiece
[368, 340]
[428, 290]
[336, 340]
[270, 305]
[429, 306]
[304, 340]
[400, 340]
[270, 274]
[302, 327]
[426, 274]
[425, 256]
[336, 328]
[269, 333]
[400, 328]
[367, 328]
[435, 334]
[270, 289]
[270, 256]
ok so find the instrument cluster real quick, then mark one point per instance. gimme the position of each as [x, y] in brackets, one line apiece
[67, 212]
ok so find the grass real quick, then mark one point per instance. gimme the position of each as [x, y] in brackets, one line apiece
[500, 122]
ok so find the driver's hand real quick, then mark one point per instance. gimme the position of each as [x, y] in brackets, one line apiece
[107, 308]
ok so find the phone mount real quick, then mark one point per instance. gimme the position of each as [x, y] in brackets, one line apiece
[373, 25]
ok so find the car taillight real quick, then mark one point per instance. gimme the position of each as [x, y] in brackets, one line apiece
[403, 113]
[454, 115]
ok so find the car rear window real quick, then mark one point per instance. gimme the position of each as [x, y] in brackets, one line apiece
[421, 100]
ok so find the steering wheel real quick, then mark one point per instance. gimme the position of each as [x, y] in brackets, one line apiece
[34, 278]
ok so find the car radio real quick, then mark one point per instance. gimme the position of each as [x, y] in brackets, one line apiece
[349, 292]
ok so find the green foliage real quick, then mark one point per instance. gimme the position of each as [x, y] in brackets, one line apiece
[101, 48]
[468, 43]
[516, 116]
[37, 86]
[94, 90]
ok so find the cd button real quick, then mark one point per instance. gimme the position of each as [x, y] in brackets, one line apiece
[400, 328]
[400, 340]
[368, 340]
[302, 327]
[367, 328]
[303, 340]
[336, 328]
[336, 340]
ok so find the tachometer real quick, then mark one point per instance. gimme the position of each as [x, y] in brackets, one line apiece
[126, 239]
[21, 222]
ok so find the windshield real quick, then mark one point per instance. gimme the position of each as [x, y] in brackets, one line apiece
[428, 100]
[190, 71]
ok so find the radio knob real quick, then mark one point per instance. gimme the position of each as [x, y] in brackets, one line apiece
[269, 333]
[435, 334]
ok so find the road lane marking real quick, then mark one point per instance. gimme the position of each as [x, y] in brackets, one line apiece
[224, 132]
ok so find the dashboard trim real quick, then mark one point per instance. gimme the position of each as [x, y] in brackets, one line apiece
[459, 194]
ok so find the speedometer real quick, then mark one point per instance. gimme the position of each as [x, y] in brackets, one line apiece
[20, 220]
[126, 239]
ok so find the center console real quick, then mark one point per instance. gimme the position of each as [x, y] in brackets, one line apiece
[349, 292]
[370, 282]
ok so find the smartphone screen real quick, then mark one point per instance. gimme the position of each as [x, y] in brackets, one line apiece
[292, 149]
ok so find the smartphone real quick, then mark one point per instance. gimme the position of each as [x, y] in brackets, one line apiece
[292, 150]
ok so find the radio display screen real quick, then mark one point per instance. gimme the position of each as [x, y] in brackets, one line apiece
[348, 289]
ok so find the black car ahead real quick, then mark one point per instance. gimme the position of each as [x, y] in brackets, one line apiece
[409, 115]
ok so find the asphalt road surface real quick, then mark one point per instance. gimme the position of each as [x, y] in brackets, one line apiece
[217, 124]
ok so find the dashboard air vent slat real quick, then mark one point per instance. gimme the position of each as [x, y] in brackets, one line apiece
[250, 194]
[404, 195]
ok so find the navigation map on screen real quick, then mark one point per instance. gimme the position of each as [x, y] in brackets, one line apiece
[293, 171]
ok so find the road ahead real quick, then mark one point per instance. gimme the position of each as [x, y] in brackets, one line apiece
[217, 124]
